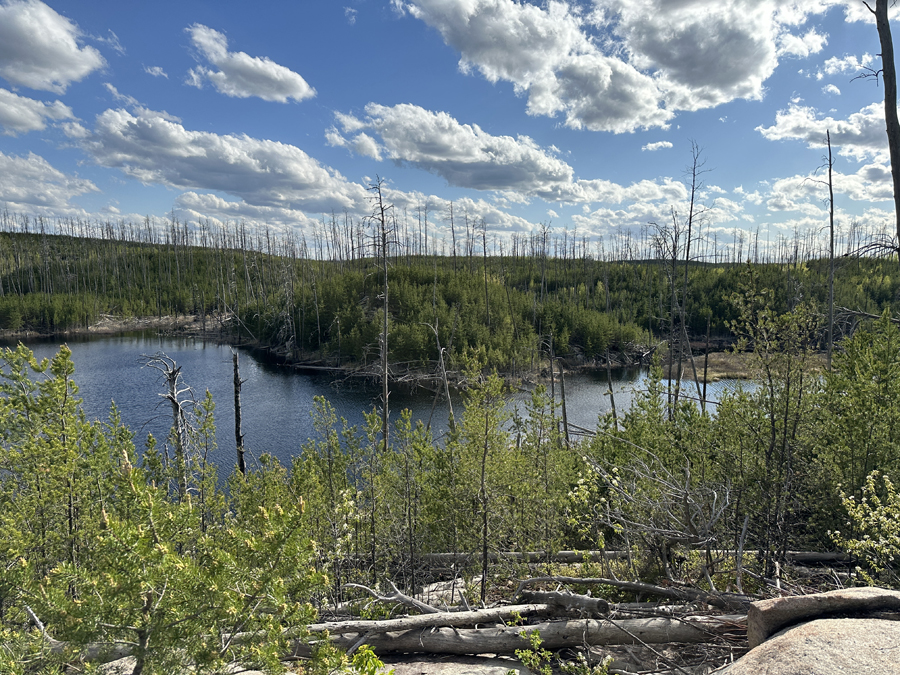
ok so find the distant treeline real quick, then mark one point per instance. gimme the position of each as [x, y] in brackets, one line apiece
[509, 304]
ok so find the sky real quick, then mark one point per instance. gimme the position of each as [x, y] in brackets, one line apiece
[576, 115]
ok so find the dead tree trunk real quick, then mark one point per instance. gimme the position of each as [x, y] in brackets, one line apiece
[238, 434]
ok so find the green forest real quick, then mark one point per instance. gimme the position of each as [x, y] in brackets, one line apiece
[318, 303]
[112, 545]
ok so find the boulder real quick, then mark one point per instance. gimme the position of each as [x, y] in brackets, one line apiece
[767, 617]
[826, 647]
[454, 665]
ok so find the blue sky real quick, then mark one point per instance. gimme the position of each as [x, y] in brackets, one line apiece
[575, 114]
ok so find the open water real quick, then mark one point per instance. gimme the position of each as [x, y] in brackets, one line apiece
[276, 401]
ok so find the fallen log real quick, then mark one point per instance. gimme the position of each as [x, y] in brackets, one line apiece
[554, 635]
[570, 557]
[727, 601]
[444, 619]
[583, 605]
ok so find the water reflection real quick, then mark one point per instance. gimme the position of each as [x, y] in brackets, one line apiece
[276, 401]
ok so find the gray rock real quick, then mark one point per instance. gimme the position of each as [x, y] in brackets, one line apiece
[454, 665]
[826, 647]
[767, 617]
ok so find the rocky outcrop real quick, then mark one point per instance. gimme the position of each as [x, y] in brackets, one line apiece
[853, 630]
[767, 617]
[826, 647]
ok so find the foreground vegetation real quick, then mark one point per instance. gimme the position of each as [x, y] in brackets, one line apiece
[151, 553]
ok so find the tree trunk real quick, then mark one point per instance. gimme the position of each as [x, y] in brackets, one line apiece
[889, 74]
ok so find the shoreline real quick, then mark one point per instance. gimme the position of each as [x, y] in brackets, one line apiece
[723, 363]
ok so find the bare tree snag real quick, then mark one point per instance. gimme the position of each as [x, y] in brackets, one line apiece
[238, 434]
[889, 75]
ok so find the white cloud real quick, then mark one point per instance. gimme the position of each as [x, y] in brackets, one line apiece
[545, 54]
[154, 147]
[75, 130]
[860, 136]
[121, 98]
[241, 75]
[350, 13]
[113, 41]
[198, 206]
[846, 64]
[659, 145]
[19, 114]
[463, 154]
[156, 71]
[811, 42]
[40, 49]
[467, 156]
[831, 90]
[30, 184]
[623, 66]
[807, 194]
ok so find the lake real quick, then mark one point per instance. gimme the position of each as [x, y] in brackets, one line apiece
[276, 401]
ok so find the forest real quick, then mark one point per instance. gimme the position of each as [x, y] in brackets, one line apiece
[114, 545]
[322, 302]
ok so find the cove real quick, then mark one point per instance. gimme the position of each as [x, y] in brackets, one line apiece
[276, 400]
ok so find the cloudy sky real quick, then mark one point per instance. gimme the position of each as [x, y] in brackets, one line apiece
[579, 114]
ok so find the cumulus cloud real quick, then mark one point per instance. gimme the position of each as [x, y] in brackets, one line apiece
[807, 194]
[860, 136]
[831, 90]
[811, 42]
[199, 206]
[463, 154]
[29, 183]
[839, 65]
[154, 147]
[623, 66]
[350, 13]
[659, 145]
[546, 55]
[467, 156]
[241, 75]
[40, 48]
[19, 114]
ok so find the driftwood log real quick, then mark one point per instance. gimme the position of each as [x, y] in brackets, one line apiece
[554, 635]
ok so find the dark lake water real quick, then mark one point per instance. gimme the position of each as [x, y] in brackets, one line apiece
[276, 401]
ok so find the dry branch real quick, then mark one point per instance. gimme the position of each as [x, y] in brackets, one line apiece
[397, 596]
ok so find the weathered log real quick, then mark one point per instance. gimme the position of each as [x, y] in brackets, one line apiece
[443, 619]
[572, 557]
[583, 605]
[554, 635]
[727, 601]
